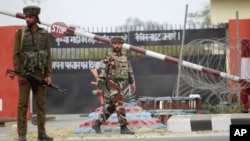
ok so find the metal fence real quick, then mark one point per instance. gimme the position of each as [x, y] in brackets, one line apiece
[156, 39]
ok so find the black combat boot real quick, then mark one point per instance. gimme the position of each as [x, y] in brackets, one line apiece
[125, 130]
[97, 126]
[44, 138]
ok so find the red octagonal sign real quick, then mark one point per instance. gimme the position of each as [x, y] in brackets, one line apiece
[58, 29]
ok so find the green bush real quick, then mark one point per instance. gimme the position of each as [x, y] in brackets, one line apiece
[221, 108]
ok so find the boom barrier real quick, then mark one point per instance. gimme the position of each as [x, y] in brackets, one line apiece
[149, 53]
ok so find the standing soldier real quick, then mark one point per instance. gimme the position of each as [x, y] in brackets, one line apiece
[115, 72]
[32, 53]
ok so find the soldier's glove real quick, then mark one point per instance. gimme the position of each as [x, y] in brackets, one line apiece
[22, 80]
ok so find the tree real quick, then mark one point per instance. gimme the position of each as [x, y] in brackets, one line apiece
[141, 25]
[196, 19]
[200, 17]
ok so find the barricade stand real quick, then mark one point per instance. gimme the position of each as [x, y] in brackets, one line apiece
[177, 102]
[146, 103]
[171, 103]
[162, 117]
[195, 102]
[160, 104]
[164, 107]
[163, 103]
[184, 103]
[199, 105]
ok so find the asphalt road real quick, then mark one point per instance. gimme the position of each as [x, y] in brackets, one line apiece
[191, 138]
[73, 121]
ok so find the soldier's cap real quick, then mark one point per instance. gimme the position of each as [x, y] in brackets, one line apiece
[117, 39]
[31, 10]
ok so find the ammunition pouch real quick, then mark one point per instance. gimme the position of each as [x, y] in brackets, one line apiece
[120, 68]
[33, 60]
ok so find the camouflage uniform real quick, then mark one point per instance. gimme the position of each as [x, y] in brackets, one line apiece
[115, 73]
[32, 53]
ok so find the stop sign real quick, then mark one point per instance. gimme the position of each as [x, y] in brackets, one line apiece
[58, 29]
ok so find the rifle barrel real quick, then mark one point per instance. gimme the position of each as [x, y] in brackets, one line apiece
[32, 77]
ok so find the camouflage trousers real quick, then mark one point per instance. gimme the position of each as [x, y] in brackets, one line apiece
[115, 105]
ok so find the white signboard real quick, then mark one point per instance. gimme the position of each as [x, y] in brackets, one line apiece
[1, 104]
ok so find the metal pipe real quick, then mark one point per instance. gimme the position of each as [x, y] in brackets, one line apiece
[180, 56]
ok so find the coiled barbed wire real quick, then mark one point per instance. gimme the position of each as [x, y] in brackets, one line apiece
[218, 54]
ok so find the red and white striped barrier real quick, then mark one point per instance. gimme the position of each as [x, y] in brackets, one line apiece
[137, 49]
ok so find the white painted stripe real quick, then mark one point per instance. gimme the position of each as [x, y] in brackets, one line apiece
[179, 123]
[219, 121]
[84, 33]
[199, 67]
[160, 105]
[126, 46]
[7, 13]
[155, 55]
[1, 104]
[191, 65]
[231, 77]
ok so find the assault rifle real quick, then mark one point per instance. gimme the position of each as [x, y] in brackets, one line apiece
[34, 80]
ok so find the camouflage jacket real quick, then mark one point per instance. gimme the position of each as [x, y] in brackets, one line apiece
[117, 68]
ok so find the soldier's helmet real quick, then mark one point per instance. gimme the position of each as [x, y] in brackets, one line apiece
[31, 10]
[117, 39]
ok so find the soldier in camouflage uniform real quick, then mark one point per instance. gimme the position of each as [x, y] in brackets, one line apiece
[115, 72]
[32, 53]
